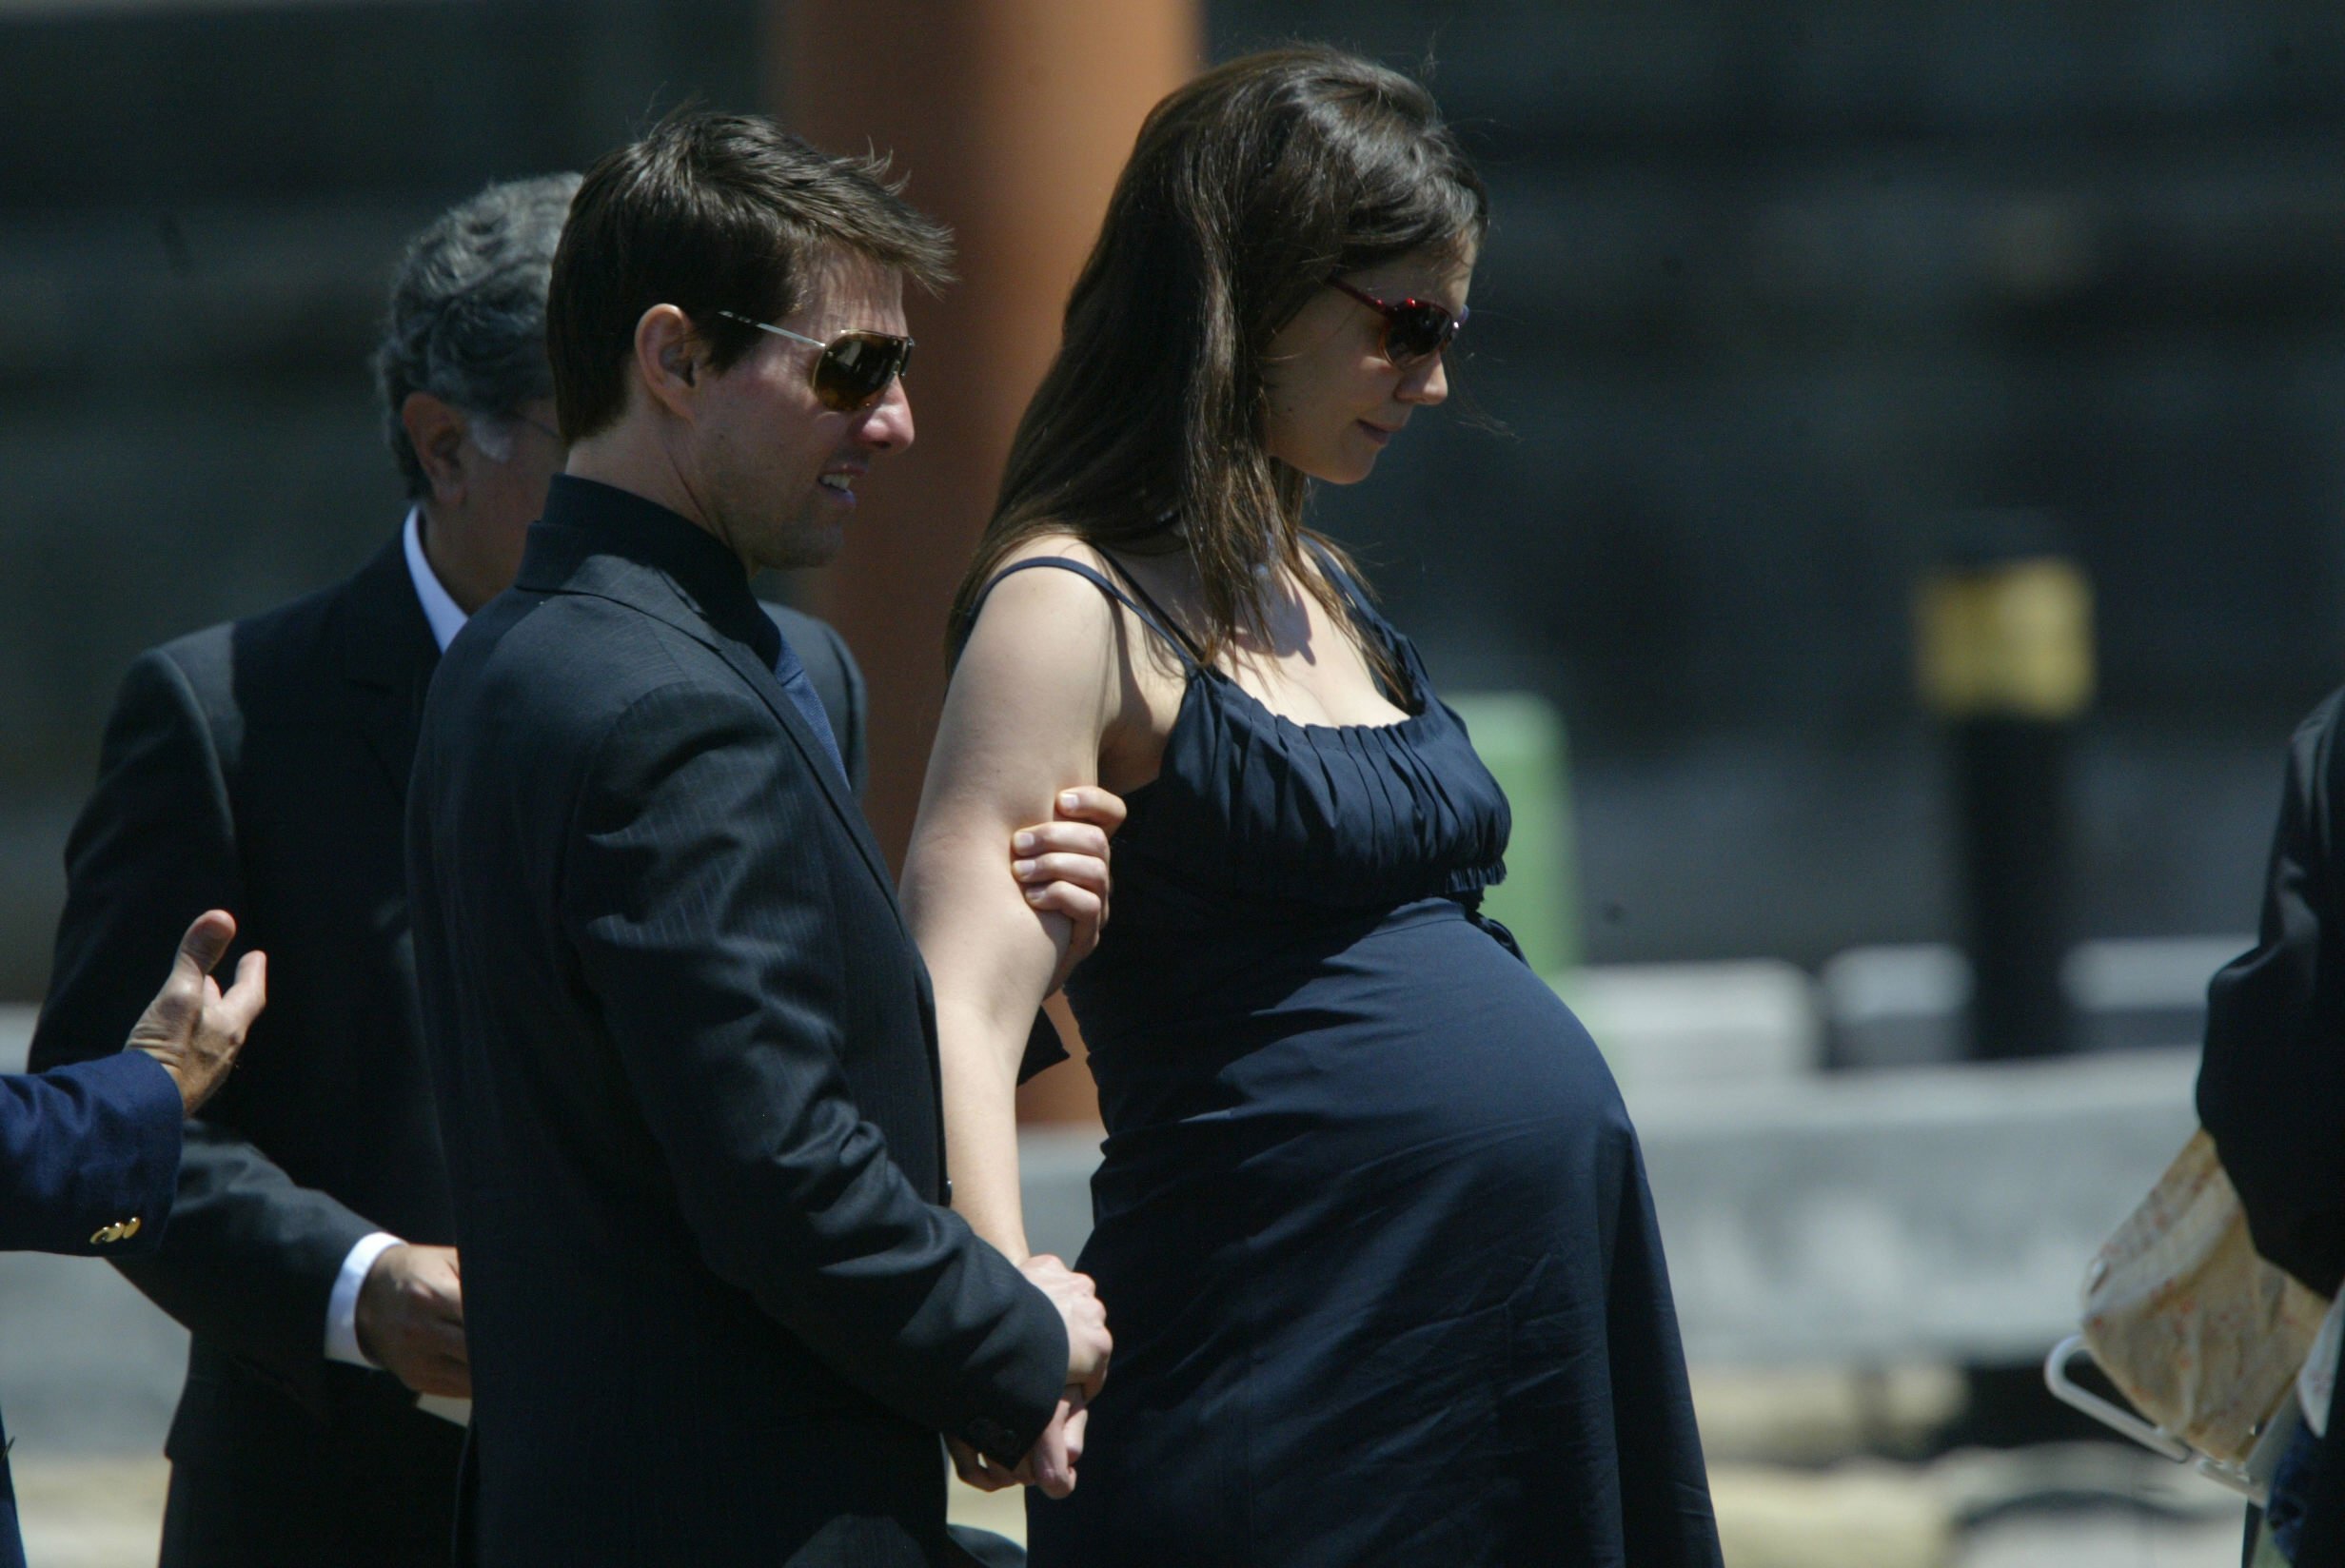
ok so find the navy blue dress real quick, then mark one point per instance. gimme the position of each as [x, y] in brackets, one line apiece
[1371, 1226]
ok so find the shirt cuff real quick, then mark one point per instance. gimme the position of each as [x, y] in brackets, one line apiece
[341, 1306]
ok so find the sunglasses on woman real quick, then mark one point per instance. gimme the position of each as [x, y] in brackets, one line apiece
[854, 368]
[1414, 330]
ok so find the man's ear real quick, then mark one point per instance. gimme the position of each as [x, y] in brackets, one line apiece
[669, 358]
[437, 431]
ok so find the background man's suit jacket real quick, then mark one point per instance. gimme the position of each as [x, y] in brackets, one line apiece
[686, 1062]
[262, 767]
[85, 1151]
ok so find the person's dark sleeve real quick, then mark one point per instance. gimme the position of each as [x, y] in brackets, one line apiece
[2271, 1081]
[89, 1156]
[251, 1257]
[837, 680]
[704, 924]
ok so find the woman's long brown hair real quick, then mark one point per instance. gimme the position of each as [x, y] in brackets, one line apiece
[1246, 190]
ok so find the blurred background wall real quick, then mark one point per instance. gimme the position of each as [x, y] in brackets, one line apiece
[1776, 289]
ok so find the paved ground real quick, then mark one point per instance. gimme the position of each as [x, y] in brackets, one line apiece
[2101, 1539]
[102, 1512]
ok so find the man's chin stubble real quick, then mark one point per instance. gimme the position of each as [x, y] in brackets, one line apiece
[810, 548]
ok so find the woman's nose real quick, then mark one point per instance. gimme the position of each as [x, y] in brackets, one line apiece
[1427, 383]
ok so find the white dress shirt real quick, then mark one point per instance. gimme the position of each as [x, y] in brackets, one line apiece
[446, 617]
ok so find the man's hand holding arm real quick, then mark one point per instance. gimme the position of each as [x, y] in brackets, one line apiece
[1061, 865]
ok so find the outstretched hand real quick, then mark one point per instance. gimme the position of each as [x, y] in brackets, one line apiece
[190, 1028]
[1062, 867]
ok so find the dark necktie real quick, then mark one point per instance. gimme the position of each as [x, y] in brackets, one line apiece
[796, 685]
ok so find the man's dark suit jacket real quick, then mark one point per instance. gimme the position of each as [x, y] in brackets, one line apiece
[262, 767]
[686, 1061]
[2272, 1083]
[89, 1157]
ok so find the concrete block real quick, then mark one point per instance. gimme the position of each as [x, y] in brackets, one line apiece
[1901, 1005]
[1897, 1005]
[2144, 990]
[1937, 1213]
[16, 1021]
[1664, 1024]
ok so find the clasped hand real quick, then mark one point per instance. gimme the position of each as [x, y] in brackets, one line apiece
[1051, 1462]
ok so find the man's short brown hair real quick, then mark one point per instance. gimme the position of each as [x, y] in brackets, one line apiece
[709, 214]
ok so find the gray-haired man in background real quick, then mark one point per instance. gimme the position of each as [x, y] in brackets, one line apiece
[263, 766]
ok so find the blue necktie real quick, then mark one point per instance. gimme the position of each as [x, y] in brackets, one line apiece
[799, 688]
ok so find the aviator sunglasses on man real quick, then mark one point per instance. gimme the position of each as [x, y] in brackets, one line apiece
[853, 369]
[1414, 330]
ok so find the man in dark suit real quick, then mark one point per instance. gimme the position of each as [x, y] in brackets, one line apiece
[264, 765]
[90, 1153]
[684, 1049]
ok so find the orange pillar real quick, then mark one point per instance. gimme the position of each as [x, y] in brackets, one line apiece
[1012, 119]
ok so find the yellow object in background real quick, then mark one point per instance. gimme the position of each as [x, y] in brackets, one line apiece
[2010, 639]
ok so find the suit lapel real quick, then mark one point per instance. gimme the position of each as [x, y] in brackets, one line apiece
[556, 563]
[652, 592]
[387, 657]
[768, 688]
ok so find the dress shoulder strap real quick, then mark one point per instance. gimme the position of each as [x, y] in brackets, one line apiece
[1124, 574]
[1344, 583]
[1106, 585]
[1364, 613]
[1370, 621]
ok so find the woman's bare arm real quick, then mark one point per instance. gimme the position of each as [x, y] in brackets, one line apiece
[1030, 704]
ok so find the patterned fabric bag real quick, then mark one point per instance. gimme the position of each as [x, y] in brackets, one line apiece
[2200, 1333]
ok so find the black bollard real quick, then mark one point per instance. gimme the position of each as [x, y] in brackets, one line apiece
[2004, 640]
[2005, 660]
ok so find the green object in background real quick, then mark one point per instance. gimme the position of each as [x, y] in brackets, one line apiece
[1521, 739]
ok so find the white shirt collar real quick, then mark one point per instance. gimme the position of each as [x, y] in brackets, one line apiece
[446, 617]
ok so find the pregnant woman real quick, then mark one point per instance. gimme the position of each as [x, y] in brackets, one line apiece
[1372, 1229]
